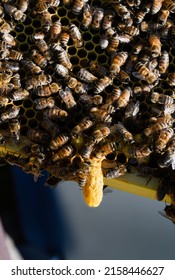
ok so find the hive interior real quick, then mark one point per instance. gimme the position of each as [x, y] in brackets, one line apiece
[132, 148]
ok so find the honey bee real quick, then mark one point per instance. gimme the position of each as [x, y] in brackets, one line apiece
[64, 38]
[4, 52]
[97, 18]
[72, 82]
[171, 79]
[132, 109]
[161, 98]
[114, 96]
[138, 89]
[152, 64]
[144, 73]
[120, 130]
[167, 159]
[14, 128]
[98, 69]
[19, 94]
[122, 11]
[131, 31]
[91, 100]
[42, 103]
[67, 97]
[38, 58]
[47, 90]
[108, 108]
[81, 88]
[118, 60]
[16, 81]
[36, 36]
[9, 39]
[50, 127]
[31, 66]
[87, 16]
[102, 84]
[75, 35]
[145, 26]
[161, 123]
[23, 5]
[78, 6]
[5, 78]
[63, 58]
[10, 113]
[130, 64]
[163, 138]
[140, 152]
[141, 13]
[169, 5]
[55, 113]
[138, 47]
[35, 165]
[107, 19]
[55, 30]
[123, 77]
[99, 134]
[83, 125]
[124, 98]
[59, 141]
[155, 45]
[163, 16]
[5, 27]
[86, 76]
[43, 48]
[114, 172]
[82, 173]
[13, 12]
[87, 150]
[156, 6]
[100, 115]
[65, 172]
[12, 65]
[64, 152]
[41, 7]
[113, 43]
[37, 81]
[46, 21]
[106, 149]
[37, 136]
[61, 70]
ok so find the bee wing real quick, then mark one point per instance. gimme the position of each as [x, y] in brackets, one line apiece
[138, 76]
[136, 108]
[173, 163]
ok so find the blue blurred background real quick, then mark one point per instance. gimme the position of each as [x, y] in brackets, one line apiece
[57, 224]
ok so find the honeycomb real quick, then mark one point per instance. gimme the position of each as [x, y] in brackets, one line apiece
[85, 84]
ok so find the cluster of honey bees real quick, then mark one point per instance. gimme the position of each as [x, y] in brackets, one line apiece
[88, 83]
